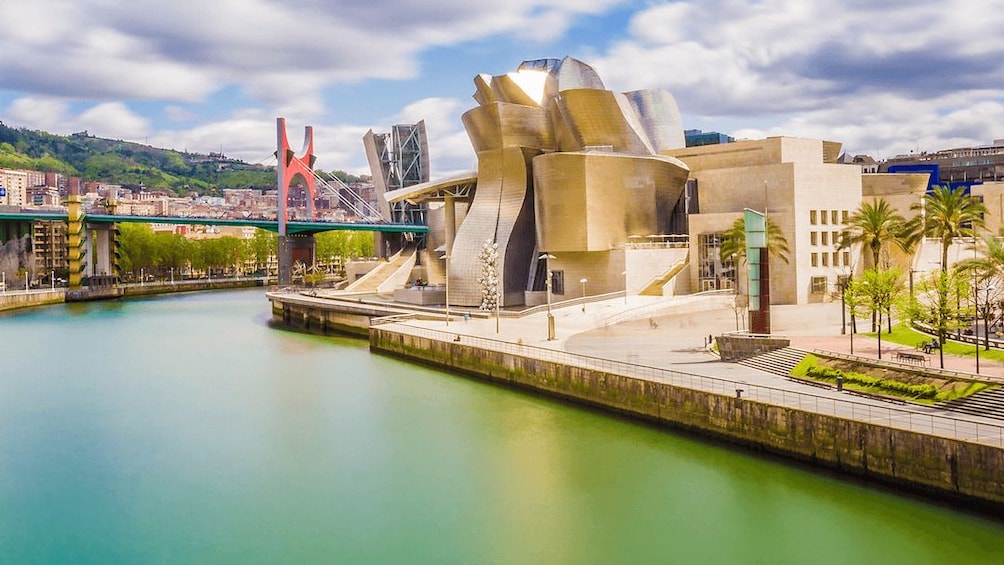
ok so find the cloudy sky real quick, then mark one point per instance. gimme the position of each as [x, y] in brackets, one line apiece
[884, 77]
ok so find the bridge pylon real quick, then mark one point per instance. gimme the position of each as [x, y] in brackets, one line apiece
[297, 247]
[75, 241]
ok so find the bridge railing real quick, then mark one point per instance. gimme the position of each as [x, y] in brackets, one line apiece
[962, 429]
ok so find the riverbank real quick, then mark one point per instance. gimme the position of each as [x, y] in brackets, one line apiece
[667, 373]
[15, 300]
[916, 454]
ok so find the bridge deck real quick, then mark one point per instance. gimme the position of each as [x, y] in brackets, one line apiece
[270, 225]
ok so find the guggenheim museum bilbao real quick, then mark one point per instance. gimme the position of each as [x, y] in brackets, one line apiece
[599, 189]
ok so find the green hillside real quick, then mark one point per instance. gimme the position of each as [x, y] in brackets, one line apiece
[132, 165]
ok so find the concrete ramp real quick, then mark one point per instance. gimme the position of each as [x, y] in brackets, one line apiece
[388, 276]
[657, 286]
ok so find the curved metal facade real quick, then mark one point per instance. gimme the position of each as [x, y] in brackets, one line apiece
[563, 165]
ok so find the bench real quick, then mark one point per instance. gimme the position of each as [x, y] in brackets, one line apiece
[911, 358]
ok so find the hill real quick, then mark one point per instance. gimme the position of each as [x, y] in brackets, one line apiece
[129, 164]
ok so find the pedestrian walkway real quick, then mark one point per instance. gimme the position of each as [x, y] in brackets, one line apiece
[675, 348]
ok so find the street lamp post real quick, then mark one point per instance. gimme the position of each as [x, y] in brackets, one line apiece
[446, 256]
[583, 283]
[625, 273]
[843, 305]
[52, 284]
[546, 257]
[976, 310]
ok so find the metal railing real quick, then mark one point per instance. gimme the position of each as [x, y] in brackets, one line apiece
[161, 283]
[564, 303]
[661, 306]
[934, 424]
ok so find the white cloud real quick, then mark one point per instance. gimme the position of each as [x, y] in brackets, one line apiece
[186, 49]
[38, 112]
[112, 119]
[882, 77]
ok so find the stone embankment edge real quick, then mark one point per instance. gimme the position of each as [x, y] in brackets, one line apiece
[17, 300]
[938, 467]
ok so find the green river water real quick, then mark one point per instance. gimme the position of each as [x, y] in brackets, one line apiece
[184, 429]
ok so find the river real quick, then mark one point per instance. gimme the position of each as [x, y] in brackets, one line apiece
[184, 429]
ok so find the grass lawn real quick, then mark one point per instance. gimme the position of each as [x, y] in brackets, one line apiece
[903, 334]
[906, 385]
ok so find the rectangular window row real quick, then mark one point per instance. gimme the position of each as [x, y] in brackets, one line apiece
[834, 259]
[817, 217]
[825, 237]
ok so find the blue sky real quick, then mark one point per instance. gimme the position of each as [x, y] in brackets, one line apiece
[884, 78]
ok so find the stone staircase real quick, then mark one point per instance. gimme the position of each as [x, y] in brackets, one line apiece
[778, 362]
[989, 404]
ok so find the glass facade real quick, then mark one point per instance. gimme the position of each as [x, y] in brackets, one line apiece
[712, 272]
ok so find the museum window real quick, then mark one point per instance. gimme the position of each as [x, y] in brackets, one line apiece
[826, 238]
[558, 282]
[836, 259]
[826, 259]
[812, 217]
[833, 217]
[815, 259]
[843, 216]
[814, 238]
[836, 238]
[822, 216]
[847, 258]
[818, 285]
[712, 272]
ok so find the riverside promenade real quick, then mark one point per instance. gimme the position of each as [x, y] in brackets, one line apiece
[651, 360]
[667, 340]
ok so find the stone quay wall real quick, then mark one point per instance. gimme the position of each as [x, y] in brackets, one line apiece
[940, 467]
[14, 300]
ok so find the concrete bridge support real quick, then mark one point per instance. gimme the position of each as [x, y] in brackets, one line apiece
[92, 249]
[294, 248]
[104, 246]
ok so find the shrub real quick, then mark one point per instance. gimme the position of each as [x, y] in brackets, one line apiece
[926, 391]
[802, 369]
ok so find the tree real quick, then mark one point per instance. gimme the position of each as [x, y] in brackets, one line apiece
[877, 291]
[940, 297]
[855, 303]
[263, 246]
[945, 214]
[991, 263]
[733, 249]
[138, 249]
[734, 242]
[873, 224]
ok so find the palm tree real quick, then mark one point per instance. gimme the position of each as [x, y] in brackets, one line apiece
[986, 270]
[873, 224]
[946, 214]
[991, 264]
[734, 242]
